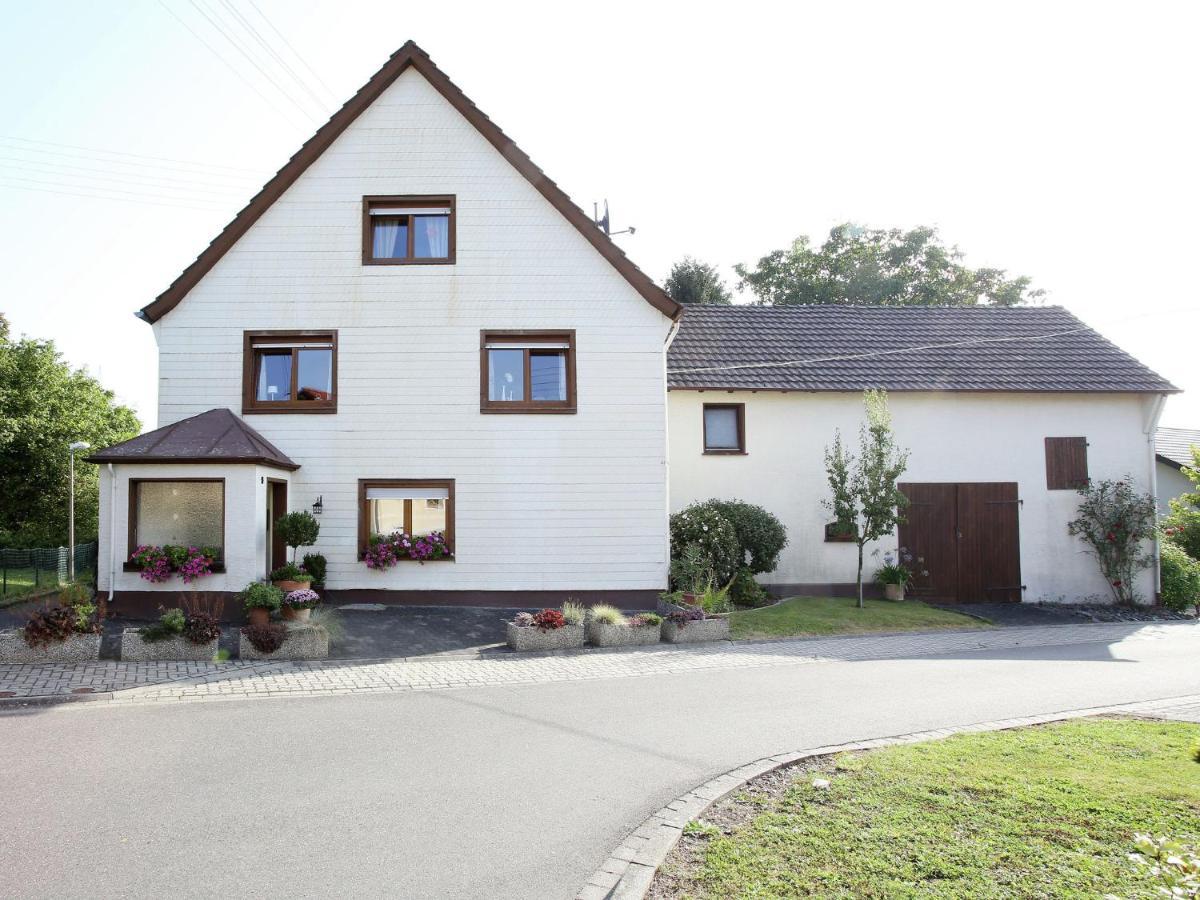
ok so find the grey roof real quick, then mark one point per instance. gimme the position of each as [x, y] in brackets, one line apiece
[1173, 445]
[852, 348]
[216, 436]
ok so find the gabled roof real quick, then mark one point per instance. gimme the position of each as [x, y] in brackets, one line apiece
[908, 348]
[1173, 446]
[408, 55]
[216, 436]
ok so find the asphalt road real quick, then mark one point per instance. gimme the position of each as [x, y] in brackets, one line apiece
[484, 793]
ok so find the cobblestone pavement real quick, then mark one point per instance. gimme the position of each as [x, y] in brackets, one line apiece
[189, 681]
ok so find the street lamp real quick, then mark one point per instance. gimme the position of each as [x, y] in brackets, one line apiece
[73, 446]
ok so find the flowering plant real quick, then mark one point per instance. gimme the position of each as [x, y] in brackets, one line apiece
[199, 563]
[152, 563]
[301, 599]
[689, 614]
[644, 620]
[523, 620]
[157, 564]
[549, 620]
[384, 551]
[895, 568]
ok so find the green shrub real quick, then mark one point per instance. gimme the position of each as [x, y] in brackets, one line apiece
[703, 525]
[297, 529]
[573, 613]
[604, 614]
[691, 571]
[1180, 578]
[170, 624]
[315, 565]
[760, 535]
[715, 600]
[1182, 528]
[260, 595]
[289, 572]
[745, 591]
[75, 593]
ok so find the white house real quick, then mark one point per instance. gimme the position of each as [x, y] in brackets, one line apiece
[412, 329]
[1173, 449]
[1004, 412]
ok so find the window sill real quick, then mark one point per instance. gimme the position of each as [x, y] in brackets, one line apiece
[422, 562]
[527, 410]
[130, 567]
[726, 453]
[294, 410]
[409, 262]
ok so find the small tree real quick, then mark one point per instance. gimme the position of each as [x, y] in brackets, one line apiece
[1116, 521]
[297, 529]
[864, 496]
[692, 281]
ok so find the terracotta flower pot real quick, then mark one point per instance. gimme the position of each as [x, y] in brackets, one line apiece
[260, 615]
[289, 614]
[690, 599]
[893, 591]
[288, 586]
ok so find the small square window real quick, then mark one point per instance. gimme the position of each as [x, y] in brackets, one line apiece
[408, 230]
[293, 371]
[724, 428]
[527, 371]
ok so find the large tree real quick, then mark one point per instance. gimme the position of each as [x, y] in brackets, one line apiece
[44, 406]
[692, 281]
[878, 267]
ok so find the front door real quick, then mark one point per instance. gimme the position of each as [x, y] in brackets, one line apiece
[965, 540]
[276, 507]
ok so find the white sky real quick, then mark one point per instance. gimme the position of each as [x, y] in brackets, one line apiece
[1054, 140]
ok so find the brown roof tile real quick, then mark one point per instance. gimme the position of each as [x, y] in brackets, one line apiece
[216, 436]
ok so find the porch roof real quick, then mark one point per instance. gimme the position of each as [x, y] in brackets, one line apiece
[216, 436]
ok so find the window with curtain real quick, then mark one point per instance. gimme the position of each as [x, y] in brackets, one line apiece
[527, 371]
[408, 229]
[182, 513]
[724, 428]
[417, 507]
[289, 371]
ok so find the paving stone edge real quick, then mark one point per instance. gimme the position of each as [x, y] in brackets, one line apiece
[629, 871]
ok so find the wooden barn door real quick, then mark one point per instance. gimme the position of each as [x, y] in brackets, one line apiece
[966, 535]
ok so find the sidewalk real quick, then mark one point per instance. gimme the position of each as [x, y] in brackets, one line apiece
[180, 681]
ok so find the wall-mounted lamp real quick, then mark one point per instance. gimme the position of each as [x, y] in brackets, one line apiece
[318, 506]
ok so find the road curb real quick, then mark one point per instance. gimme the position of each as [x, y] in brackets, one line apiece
[630, 869]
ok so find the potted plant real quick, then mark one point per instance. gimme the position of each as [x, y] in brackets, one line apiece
[290, 577]
[691, 574]
[298, 605]
[69, 632]
[548, 629]
[296, 530]
[607, 626]
[260, 600]
[894, 575]
[175, 636]
[694, 625]
[315, 565]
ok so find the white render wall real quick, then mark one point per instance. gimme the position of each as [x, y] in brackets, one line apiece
[1171, 483]
[543, 501]
[952, 437]
[245, 525]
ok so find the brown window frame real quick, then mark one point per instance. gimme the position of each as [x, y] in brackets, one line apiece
[364, 527]
[131, 524]
[487, 405]
[252, 405]
[1061, 452]
[413, 200]
[740, 409]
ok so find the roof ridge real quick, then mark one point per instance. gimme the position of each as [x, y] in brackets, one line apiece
[408, 55]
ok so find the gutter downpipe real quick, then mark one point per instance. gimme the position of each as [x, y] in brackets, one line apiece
[1151, 427]
[112, 532]
[674, 330]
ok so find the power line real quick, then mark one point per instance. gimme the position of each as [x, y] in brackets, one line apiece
[93, 150]
[296, 53]
[213, 20]
[230, 66]
[283, 63]
[148, 181]
[42, 190]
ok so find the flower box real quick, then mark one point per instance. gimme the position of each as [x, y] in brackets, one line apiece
[76, 648]
[715, 629]
[135, 648]
[601, 635]
[530, 637]
[303, 641]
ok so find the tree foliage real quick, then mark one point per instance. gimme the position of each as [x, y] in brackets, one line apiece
[692, 281]
[865, 498]
[44, 406]
[878, 267]
[1116, 521]
[1182, 526]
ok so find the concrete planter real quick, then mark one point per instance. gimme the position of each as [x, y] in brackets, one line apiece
[302, 642]
[893, 592]
[696, 632]
[533, 638]
[622, 635]
[76, 648]
[135, 648]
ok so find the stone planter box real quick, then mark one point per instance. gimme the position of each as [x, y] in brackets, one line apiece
[76, 648]
[533, 638]
[696, 632]
[134, 648]
[600, 635]
[302, 642]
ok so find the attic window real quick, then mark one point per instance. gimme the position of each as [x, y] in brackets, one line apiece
[408, 230]
[289, 371]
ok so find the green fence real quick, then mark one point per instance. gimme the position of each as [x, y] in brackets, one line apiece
[44, 568]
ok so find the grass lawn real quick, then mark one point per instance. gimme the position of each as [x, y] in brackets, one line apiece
[841, 615]
[1036, 812]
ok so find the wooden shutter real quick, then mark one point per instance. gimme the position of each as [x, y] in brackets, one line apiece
[1066, 463]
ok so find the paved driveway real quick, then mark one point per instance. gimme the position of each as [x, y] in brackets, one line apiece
[493, 791]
